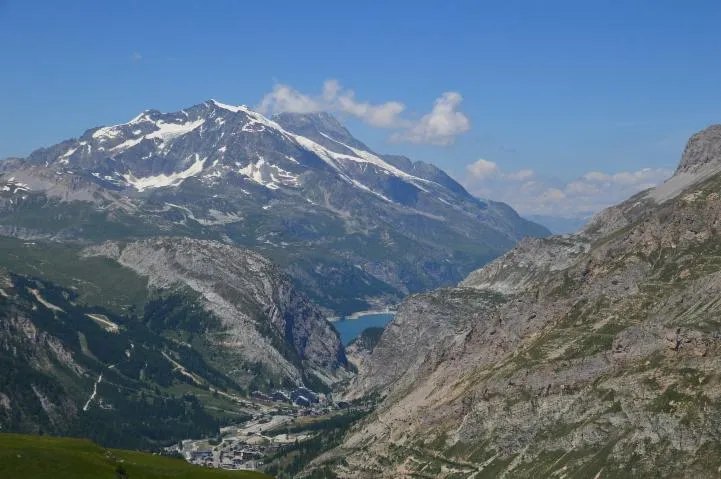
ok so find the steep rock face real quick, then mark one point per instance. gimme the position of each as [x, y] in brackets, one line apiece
[594, 355]
[405, 351]
[360, 349]
[532, 259]
[700, 161]
[260, 311]
[703, 148]
[28, 400]
[352, 227]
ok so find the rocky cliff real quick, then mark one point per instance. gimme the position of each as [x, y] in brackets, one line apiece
[262, 317]
[592, 355]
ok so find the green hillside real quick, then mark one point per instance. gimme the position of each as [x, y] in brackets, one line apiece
[41, 457]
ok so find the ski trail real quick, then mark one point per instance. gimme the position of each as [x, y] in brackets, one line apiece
[95, 392]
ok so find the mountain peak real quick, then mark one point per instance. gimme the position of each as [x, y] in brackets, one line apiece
[703, 148]
[225, 106]
[321, 127]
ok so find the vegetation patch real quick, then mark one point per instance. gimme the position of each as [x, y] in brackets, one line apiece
[44, 457]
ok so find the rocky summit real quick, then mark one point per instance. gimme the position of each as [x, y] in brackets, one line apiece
[590, 355]
[352, 227]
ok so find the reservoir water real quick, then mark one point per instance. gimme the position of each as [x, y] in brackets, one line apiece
[350, 329]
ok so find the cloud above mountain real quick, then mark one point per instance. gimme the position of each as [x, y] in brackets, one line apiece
[533, 194]
[439, 127]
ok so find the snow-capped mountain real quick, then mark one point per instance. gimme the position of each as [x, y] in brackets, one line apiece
[352, 226]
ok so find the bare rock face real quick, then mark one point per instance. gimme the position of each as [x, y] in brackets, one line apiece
[531, 259]
[702, 149]
[360, 349]
[591, 355]
[259, 310]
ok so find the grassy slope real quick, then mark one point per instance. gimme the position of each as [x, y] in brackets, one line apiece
[98, 281]
[40, 457]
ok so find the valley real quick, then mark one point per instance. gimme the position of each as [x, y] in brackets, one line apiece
[209, 351]
[139, 308]
[195, 288]
[206, 350]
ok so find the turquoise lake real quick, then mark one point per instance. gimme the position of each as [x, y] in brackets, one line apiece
[350, 329]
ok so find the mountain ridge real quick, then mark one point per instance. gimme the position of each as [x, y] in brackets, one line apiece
[379, 226]
[593, 355]
[145, 343]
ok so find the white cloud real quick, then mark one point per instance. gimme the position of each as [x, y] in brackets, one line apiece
[331, 88]
[596, 176]
[520, 175]
[483, 169]
[640, 177]
[579, 198]
[136, 56]
[582, 188]
[284, 99]
[439, 127]
[385, 115]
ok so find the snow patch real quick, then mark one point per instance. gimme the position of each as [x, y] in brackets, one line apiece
[268, 175]
[365, 188]
[142, 117]
[170, 131]
[333, 159]
[127, 144]
[363, 156]
[106, 132]
[162, 180]
[234, 109]
[14, 187]
[65, 157]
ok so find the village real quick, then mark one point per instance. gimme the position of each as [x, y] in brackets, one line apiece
[279, 423]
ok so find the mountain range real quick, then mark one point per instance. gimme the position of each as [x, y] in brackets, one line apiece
[353, 228]
[157, 272]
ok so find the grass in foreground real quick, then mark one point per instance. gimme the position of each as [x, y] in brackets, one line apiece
[45, 457]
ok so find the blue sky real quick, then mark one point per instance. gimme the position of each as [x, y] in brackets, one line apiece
[559, 89]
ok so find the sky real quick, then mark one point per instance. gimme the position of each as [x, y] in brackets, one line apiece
[557, 107]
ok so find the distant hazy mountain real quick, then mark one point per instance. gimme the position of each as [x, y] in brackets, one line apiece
[353, 228]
